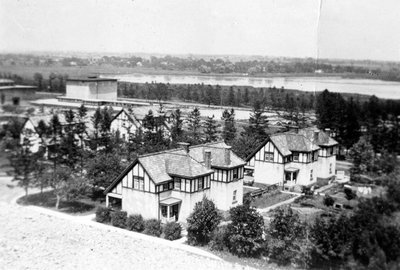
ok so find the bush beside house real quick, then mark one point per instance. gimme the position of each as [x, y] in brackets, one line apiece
[103, 214]
[135, 223]
[118, 219]
[202, 222]
[152, 227]
[172, 231]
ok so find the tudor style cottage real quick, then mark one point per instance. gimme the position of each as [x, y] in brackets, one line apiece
[294, 158]
[127, 123]
[167, 185]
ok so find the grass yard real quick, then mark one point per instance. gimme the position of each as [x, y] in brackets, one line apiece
[271, 198]
[257, 263]
[47, 199]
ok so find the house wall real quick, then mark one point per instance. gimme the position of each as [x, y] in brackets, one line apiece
[189, 200]
[124, 125]
[139, 202]
[137, 198]
[28, 131]
[222, 194]
[267, 171]
[304, 173]
[324, 165]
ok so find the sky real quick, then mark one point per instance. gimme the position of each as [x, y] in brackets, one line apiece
[346, 29]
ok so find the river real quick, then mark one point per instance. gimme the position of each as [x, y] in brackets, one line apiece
[382, 89]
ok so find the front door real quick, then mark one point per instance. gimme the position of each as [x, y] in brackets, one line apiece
[174, 211]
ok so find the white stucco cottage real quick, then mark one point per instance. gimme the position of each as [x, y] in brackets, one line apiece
[167, 185]
[295, 158]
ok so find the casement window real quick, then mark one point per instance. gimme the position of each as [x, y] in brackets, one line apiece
[177, 183]
[315, 156]
[295, 156]
[138, 182]
[201, 183]
[235, 174]
[330, 168]
[311, 175]
[234, 195]
[165, 186]
[269, 156]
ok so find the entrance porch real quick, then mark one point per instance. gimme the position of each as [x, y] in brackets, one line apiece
[169, 208]
[290, 180]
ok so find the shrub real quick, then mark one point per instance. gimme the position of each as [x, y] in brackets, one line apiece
[202, 222]
[118, 219]
[135, 223]
[285, 232]
[219, 239]
[350, 194]
[172, 231]
[244, 233]
[103, 214]
[152, 227]
[328, 200]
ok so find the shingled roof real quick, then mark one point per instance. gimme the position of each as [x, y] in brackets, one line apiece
[292, 142]
[162, 166]
[323, 139]
[217, 150]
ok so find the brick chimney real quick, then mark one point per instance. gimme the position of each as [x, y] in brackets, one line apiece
[328, 131]
[227, 155]
[184, 146]
[207, 159]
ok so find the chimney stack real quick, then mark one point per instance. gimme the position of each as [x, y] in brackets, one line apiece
[207, 159]
[184, 146]
[227, 155]
[328, 131]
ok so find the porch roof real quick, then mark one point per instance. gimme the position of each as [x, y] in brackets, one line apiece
[170, 201]
[291, 169]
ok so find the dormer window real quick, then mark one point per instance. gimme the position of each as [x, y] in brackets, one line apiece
[295, 156]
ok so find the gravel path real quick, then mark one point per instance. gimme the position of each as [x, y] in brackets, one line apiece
[33, 240]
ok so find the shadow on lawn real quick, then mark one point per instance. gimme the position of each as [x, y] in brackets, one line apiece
[48, 199]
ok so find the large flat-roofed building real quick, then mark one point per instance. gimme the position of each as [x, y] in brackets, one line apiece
[10, 93]
[92, 88]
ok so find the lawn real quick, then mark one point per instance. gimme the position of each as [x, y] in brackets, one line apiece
[47, 199]
[257, 263]
[271, 198]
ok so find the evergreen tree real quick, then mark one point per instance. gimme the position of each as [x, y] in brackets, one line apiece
[210, 129]
[229, 129]
[193, 122]
[351, 125]
[177, 125]
[258, 122]
[24, 163]
[231, 97]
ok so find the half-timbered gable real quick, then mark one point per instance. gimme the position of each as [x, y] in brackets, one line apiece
[293, 158]
[167, 185]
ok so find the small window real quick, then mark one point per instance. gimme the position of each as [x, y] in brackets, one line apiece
[234, 195]
[177, 184]
[138, 182]
[295, 156]
[235, 174]
[311, 175]
[330, 168]
[269, 156]
[165, 186]
[201, 183]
